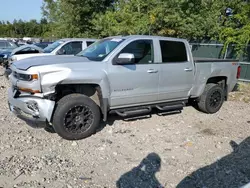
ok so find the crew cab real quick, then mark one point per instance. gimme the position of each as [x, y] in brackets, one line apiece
[126, 75]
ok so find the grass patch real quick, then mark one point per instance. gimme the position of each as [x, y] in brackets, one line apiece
[241, 93]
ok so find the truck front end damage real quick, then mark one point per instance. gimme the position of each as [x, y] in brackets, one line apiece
[27, 97]
[35, 111]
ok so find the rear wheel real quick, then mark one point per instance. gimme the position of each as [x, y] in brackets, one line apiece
[212, 99]
[76, 117]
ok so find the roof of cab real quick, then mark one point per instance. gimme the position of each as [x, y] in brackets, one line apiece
[78, 39]
[146, 36]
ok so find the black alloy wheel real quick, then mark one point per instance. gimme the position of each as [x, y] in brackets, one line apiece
[78, 119]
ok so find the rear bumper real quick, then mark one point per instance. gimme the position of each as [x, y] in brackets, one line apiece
[36, 112]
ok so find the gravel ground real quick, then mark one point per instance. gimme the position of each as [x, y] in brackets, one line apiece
[190, 149]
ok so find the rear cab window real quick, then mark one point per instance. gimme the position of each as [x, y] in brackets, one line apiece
[173, 51]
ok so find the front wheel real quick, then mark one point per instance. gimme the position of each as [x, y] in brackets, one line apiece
[211, 99]
[76, 117]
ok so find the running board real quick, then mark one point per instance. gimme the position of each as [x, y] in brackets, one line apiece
[133, 112]
[170, 108]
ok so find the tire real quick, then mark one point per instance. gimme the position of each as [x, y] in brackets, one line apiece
[76, 117]
[211, 99]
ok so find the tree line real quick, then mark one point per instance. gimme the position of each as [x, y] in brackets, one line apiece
[224, 20]
[20, 28]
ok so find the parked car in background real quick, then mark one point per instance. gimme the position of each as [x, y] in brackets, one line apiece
[43, 44]
[5, 44]
[27, 49]
[68, 46]
[4, 55]
[21, 43]
[6, 47]
[21, 50]
[126, 75]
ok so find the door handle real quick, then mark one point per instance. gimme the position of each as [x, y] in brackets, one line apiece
[188, 69]
[152, 71]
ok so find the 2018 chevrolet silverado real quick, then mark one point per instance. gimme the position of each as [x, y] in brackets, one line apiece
[126, 75]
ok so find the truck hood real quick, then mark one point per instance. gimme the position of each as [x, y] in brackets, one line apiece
[25, 64]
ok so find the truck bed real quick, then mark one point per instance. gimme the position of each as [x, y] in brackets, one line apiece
[206, 68]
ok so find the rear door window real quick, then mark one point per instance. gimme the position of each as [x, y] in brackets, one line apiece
[173, 51]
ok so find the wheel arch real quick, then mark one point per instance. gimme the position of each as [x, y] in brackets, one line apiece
[94, 91]
[222, 81]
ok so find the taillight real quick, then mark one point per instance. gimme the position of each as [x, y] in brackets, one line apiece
[238, 72]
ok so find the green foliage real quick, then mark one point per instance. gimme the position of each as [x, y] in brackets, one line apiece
[178, 18]
[20, 28]
[127, 17]
[50, 10]
[72, 18]
[237, 29]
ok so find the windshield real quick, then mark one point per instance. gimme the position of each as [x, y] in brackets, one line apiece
[53, 46]
[100, 49]
[12, 45]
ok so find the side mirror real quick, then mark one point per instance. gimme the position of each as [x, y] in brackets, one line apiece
[61, 51]
[125, 59]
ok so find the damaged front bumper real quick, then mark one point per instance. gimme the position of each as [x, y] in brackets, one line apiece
[35, 111]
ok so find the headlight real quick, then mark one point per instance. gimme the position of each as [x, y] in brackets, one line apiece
[5, 56]
[25, 77]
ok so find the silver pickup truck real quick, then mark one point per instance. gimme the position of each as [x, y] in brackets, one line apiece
[126, 75]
